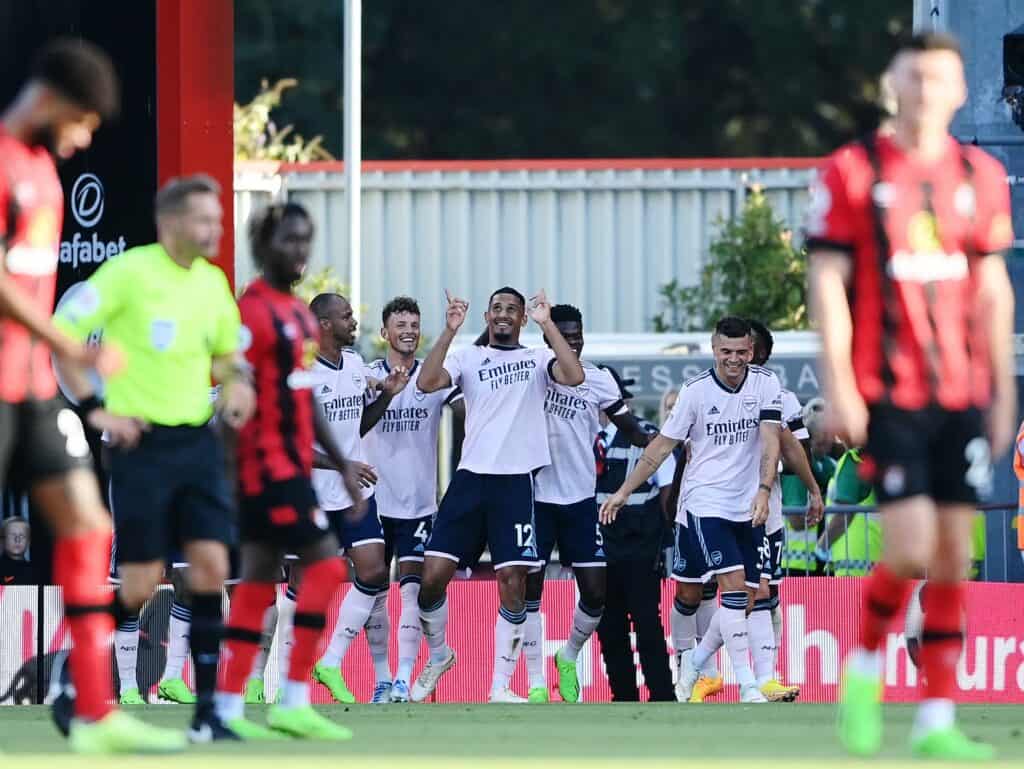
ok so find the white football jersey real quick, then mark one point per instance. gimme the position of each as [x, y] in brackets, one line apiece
[792, 420]
[505, 388]
[402, 446]
[339, 390]
[573, 424]
[722, 423]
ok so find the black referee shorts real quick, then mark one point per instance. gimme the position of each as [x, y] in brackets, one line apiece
[169, 490]
[40, 439]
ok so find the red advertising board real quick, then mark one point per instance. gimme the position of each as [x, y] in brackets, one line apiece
[820, 623]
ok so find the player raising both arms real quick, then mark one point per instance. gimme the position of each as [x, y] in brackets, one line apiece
[279, 510]
[911, 294]
[491, 495]
[403, 446]
[731, 415]
[566, 509]
[72, 88]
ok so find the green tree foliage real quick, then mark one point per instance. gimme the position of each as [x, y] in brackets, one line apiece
[753, 271]
[257, 137]
[581, 78]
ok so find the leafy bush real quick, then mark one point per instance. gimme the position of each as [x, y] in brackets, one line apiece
[257, 137]
[753, 270]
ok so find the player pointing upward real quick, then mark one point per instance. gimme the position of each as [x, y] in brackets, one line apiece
[505, 385]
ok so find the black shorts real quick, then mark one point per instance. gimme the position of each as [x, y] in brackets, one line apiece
[942, 454]
[40, 439]
[169, 490]
[286, 515]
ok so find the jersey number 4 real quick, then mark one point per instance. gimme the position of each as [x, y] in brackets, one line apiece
[421, 532]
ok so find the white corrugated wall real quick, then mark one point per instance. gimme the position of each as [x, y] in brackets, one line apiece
[602, 239]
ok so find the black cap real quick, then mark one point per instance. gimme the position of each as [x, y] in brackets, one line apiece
[622, 383]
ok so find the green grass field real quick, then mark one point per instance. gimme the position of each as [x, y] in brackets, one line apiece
[457, 736]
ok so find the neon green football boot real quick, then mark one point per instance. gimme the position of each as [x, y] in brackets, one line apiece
[860, 712]
[951, 744]
[254, 692]
[332, 678]
[118, 732]
[306, 722]
[249, 730]
[176, 690]
[568, 681]
[131, 697]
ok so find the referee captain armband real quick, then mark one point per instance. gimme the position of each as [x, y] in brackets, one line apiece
[88, 405]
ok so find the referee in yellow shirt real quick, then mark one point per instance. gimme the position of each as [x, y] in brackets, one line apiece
[174, 318]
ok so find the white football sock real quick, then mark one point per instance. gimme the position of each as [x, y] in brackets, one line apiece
[434, 622]
[229, 705]
[762, 644]
[177, 641]
[931, 715]
[409, 632]
[733, 624]
[584, 623]
[285, 632]
[259, 667]
[126, 652]
[355, 610]
[683, 622]
[866, 663]
[508, 644]
[378, 634]
[705, 618]
[296, 694]
[533, 646]
[704, 656]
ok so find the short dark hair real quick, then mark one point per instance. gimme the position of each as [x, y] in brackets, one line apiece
[764, 336]
[508, 290]
[929, 41]
[264, 223]
[321, 303]
[171, 197]
[566, 313]
[399, 304]
[732, 327]
[82, 73]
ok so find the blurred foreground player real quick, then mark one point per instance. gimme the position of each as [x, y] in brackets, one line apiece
[72, 88]
[911, 225]
[279, 510]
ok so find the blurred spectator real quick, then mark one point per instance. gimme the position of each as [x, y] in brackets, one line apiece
[801, 543]
[850, 543]
[15, 568]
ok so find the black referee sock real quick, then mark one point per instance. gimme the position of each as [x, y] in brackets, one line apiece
[204, 642]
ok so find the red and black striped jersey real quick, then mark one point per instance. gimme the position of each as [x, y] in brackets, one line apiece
[916, 233]
[280, 342]
[31, 211]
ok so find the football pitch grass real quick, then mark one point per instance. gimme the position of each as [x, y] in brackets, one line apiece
[555, 735]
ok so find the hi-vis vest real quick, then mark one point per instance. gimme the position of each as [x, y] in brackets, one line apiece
[853, 554]
[798, 550]
[1018, 469]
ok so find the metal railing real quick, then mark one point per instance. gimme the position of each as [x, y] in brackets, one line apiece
[990, 565]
